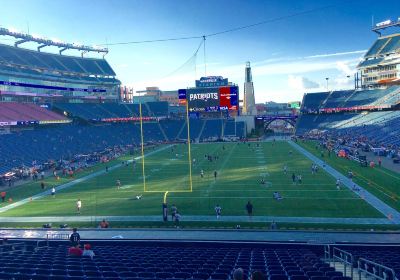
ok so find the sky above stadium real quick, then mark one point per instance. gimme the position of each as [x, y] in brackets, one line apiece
[290, 55]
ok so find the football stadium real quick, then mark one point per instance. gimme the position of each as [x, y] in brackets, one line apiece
[98, 181]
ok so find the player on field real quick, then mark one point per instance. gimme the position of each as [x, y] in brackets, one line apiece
[299, 179]
[277, 196]
[118, 183]
[285, 169]
[249, 209]
[78, 205]
[215, 175]
[177, 218]
[338, 184]
[218, 210]
[174, 210]
[350, 175]
[53, 192]
[293, 178]
[202, 173]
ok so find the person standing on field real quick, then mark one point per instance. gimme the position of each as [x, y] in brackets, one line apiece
[79, 205]
[249, 209]
[218, 210]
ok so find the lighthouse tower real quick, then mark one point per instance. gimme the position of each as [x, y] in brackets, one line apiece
[249, 103]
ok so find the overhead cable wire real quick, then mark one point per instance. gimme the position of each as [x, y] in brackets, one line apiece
[270, 20]
[152, 41]
[276, 19]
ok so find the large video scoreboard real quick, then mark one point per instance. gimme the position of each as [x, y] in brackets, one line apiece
[210, 99]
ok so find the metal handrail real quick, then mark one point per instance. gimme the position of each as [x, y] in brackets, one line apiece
[56, 236]
[327, 252]
[379, 271]
[39, 242]
[13, 247]
[344, 257]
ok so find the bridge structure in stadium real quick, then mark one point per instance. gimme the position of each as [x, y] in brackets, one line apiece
[268, 119]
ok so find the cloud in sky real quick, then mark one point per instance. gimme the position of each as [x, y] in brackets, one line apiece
[344, 67]
[301, 83]
[336, 54]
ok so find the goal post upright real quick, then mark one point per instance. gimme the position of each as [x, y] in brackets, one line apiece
[189, 148]
[190, 189]
[142, 144]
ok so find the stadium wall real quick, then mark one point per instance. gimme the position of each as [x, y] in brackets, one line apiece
[249, 122]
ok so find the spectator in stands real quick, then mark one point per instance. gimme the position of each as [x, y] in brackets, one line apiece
[75, 237]
[75, 251]
[42, 175]
[238, 274]
[257, 275]
[104, 224]
[3, 196]
[87, 251]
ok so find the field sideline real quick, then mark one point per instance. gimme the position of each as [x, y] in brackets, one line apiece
[381, 182]
[239, 167]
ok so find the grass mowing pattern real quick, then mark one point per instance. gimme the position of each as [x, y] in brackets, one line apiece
[239, 168]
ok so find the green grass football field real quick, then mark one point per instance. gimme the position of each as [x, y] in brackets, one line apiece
[240, 169]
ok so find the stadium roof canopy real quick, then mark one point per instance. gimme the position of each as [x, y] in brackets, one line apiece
[44, 42]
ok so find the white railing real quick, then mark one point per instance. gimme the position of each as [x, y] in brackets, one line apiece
[345, 258]
[375, 270]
